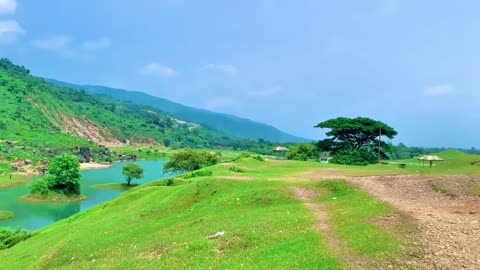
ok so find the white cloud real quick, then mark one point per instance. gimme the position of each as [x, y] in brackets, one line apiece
[102, 43]
[264, 93]
[157, 70]
[227, 69]
[220, 103]
[8, 7]
[439, 90]
[9, 31]
[52, 43]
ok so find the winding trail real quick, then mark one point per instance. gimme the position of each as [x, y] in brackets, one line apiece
[322, 224]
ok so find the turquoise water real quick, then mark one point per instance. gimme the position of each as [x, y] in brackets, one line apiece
[33, 216]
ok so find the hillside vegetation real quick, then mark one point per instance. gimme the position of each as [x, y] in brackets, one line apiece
[40, 120]
[227, 124]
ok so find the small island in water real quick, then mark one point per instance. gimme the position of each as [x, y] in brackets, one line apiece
[62, 184]
[6, 215]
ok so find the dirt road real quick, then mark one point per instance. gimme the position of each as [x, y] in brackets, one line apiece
[446, 211]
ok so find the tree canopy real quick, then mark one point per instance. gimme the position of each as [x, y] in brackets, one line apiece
[65, 172]
[132, 171]
[358, 136]
[190, 160]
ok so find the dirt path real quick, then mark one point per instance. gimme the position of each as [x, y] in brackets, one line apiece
[449, 223]
[322, 224]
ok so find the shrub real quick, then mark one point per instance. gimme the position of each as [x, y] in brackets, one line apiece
[259, 158]
[236, 169]
[190, 160]
[9, 237]
[170, 181]
[360, 157]
[304, 151]
[201, 173]
[42, 186]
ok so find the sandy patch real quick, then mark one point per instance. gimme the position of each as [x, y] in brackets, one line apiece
[93, 166]
[236, 178]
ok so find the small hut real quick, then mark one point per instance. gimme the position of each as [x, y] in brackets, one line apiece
[430, 159]
[280, 151]
[325, 157]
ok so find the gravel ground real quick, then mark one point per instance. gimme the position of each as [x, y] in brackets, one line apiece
[445, 210]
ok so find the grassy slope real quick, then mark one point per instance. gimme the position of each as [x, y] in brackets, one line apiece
[158, 227]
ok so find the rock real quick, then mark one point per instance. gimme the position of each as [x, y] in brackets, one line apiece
[28, 161]
[85, 154]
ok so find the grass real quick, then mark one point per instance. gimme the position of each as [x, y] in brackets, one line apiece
[476, 191]
[352, 211]
[158, 227]
[53, 198]
[115, 186]
[16, 180]
[155, 226]
[6, 215]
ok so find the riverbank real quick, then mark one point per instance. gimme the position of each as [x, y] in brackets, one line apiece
[94, 166]
[6, 215]
[14, 180]
[53, 198]
[115, 186]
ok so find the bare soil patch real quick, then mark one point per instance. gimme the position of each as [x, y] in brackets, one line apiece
[322, 224]
[93, 166]
[449, 226]
[236, 178]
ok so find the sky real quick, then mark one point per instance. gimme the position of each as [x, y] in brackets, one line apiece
[290, 63]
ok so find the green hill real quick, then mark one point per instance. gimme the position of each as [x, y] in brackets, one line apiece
[259, 223]
[227, 124]
[39, 115]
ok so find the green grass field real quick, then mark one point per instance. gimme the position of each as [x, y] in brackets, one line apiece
[265, 226]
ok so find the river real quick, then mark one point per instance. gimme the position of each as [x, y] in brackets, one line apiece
[33, 216]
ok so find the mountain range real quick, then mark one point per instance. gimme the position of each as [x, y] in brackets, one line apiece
[227, 124]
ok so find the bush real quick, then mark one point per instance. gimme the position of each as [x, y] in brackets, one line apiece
[259, 158]
[9, 237]
[190, 160]
[236, 169]
[201, 173]
[42, 186]
[360, 157]
[170, 182]
[304, 151]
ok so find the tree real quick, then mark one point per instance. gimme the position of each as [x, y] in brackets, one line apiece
[359, 135]
[190, 160]
[303, 151]
[132, 171]
[65, 175]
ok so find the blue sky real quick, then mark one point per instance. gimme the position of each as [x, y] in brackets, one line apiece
[412, 64]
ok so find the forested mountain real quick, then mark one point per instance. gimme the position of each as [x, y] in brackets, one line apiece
[44, 115]
[225, 123]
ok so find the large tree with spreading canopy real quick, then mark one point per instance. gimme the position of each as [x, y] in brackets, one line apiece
[361, 136]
